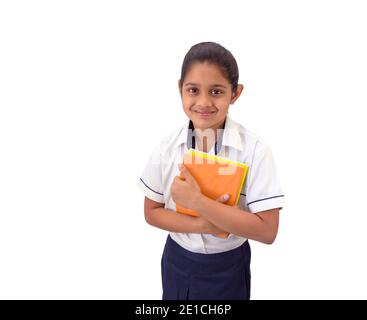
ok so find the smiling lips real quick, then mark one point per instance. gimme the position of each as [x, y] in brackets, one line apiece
[204, 113]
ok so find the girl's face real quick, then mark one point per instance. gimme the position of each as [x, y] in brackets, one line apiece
[206, 95]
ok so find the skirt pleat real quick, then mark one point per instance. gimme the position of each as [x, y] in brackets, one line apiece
[188, 275]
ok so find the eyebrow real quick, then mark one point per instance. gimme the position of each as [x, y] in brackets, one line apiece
[213, 85]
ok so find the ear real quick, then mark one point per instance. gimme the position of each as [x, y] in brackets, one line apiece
[236, 94]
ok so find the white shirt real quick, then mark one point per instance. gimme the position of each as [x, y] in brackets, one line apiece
[261, 190]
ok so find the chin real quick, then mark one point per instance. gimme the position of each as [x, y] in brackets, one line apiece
[205, 123]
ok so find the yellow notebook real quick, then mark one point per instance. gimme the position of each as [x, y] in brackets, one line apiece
[216, 176]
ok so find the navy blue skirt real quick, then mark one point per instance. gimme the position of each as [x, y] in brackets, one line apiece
[196, 276]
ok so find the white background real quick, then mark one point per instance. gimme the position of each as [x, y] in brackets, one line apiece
[88, 87]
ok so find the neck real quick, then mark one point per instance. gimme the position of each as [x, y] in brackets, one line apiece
[206, 138]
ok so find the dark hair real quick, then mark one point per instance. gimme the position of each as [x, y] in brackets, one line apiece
[211, 52]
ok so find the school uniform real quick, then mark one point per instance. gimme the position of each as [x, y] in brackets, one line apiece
[203, 266]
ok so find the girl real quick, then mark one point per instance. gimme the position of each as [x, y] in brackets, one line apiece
[196, 264]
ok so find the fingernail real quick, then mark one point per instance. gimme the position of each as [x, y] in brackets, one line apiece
[226, 197]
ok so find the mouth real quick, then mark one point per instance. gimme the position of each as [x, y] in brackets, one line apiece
[204, 113]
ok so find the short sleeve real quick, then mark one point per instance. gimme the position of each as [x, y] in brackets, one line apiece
[264, 191]
[150, 181]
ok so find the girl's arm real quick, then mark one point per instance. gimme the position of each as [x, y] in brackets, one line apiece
[261, 226]
[156, 215]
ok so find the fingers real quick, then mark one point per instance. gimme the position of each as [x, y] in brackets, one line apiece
[223, 198]
[185, 173]
[178, 179]
[176, 183]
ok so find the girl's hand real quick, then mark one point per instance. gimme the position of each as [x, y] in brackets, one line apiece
[209, 227]
[184, 189]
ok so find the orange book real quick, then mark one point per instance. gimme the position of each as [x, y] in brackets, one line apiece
[216, 176]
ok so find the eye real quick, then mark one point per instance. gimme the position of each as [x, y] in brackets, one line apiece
[192, 90]
[216, 91]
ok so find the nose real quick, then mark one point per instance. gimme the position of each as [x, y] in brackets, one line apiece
[204, 100]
